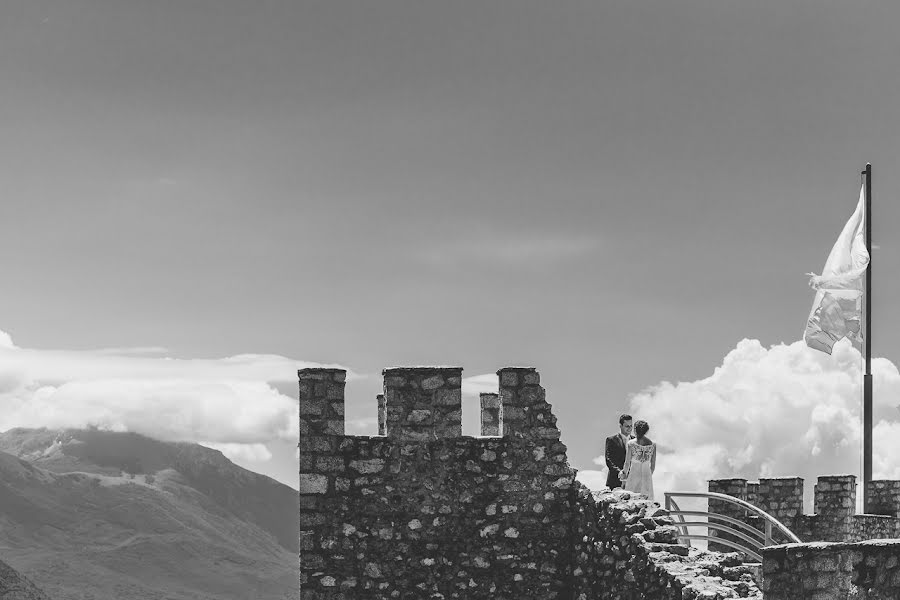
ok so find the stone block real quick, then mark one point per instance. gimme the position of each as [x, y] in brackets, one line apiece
[373, 465]
[508, 378]
[432, 383]
[311, 483]
[446, 397]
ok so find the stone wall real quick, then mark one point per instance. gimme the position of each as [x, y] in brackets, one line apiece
[834, 519]
[424, 512]
[884, 497]
[732, 487]
[867, 570]
[626, 549]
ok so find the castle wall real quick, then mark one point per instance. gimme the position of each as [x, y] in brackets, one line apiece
[834, 519]
[626, 549]
[423, 512]
[736, 488]
[867, 570]
[884, 497]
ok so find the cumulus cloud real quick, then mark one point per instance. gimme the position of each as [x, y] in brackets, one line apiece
[786, 410]
[229, 403]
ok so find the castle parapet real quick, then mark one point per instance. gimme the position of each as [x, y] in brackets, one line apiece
[490, 414]
[781, 497]
[321, 402]
[423, 403]
[835, 496]
[735, 487]
[321, 428]
[884, 497]
[382, 414]
[752, 492]
[524, 409]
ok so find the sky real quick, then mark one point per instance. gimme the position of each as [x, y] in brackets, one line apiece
[624, 195]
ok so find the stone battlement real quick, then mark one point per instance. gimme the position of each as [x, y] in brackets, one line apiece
[498, 504]
[834, 500]
[421, 511]
[425, 403]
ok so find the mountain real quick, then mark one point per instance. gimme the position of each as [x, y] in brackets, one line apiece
[97, 515]
[14, 586]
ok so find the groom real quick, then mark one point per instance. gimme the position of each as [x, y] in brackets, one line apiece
[615, 451]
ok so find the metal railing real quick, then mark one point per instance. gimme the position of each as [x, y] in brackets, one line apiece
[747, 539]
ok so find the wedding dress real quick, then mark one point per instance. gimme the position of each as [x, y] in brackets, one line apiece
[639, 476]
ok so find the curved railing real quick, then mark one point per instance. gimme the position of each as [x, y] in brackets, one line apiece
[748, 540]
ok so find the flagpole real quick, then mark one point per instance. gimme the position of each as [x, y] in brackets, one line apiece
[867, 378]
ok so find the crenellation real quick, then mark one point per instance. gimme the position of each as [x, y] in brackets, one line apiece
[446, 515]
[835, 496]
[321, 401]
[752, 492]
[321, 413]
[735, 487]
[781, 497]
[524, 409]
[884, 496]
[834, 518]
[491, 418]
[423, 403]
[382, 414]
[422, 511]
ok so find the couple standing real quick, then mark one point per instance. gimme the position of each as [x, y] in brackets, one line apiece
[631, 460]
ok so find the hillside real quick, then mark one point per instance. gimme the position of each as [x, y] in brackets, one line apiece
[14, 586]
[97, 515]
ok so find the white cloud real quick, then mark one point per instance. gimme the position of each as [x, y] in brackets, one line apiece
[782, 411]
[478, 384]
[361, 426]
[5, 340]
[229, 403]
[243, 452]
[593, 480]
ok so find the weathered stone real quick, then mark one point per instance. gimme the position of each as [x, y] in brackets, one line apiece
[433, 382]
[400, 516]
[447, 397]
[310, 483]
[418, 416]
[372, 465]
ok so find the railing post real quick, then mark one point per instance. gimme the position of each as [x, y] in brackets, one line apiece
[768, 532]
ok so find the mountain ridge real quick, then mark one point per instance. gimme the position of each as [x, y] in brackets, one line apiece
[127, 516]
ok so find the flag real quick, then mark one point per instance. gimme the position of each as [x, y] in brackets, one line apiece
[836, 311]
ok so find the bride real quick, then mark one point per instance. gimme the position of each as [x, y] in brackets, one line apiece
[640, 461]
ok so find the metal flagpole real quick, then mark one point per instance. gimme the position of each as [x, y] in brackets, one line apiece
[867, 378]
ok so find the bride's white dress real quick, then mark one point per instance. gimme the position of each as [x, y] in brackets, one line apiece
[640, 477]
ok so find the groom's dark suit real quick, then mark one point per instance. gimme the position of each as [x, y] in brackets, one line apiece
[615, 460]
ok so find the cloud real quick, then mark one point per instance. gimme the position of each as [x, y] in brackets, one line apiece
[227, 403]
[57, 366]
[783, 411]
[361, 426]
[478, 384]
[243, 452]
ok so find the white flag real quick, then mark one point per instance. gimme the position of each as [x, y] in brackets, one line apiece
[836, 310]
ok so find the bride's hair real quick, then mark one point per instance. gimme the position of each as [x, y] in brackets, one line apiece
[641, 428]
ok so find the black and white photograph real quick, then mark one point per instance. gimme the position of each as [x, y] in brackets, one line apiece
[449, 299]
